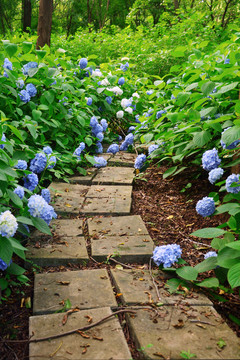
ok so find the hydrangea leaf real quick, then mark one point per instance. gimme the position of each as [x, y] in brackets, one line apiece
[208, 233]
[10, 49]
[231, 135]
[208, 87]
[15, 198]
[235, 245]
[187, 273]
[15, 269]
[209, 283]
[41, 225]
[207, 264]
[234, 276]
[6, 250]
[169, 171]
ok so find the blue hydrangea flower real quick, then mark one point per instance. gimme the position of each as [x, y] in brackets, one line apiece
[89, 101]
[232, 145]
[124, 146]
[45, 193]
[210, 254]
[3, 265]
[100, 162]
[47, 150]
[104, 124]
[227, 61]
[3, 139]
[160, 114]
[100, 136]
[131, 129]
[215, 175]
[129, 139]
[150, 92]
[62, 100]
[166, 255]
[114, 148]
[88, 72]
[119, 138]
[152, 148]
[206, 206]
[38, 207]
[38, 164]
[124, 67]
[31, 89]
[168, 81]
[51, 162]
[19, 191]
[121, 81]
[109, 100]
[7, 64]
[93, 121]
[140, 160]
[24, 96]
[234, 178]
[99, 147]
[8, 224]
[30, 65]
[173, 97]
[210, 159]
[20, 83]
[79, 150]
[137, 119]
[21, 164]
[83, 63]
[30, 182]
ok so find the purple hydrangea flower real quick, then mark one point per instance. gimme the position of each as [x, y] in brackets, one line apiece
[114, 148]
[129, 139]
[206, 206]
[3, 265]
[20, 83]
[30, 181]
[8, 224]
[100, 162]
[79, 150]
[19, 191]
[38, 164]
[210, 159]
[215, 175]
[38, 207]
[45, 193]
[93, 121]
[83, 63]
[210, 254]
[173, 97]
[150, 92]
[24, 96]
[137, 119]
[166, 255]
[7, 64]
[124, 146]
[227, 61]
[121, 81]
[234, 178]
[88, 72]
[100, 136]
[140, 160]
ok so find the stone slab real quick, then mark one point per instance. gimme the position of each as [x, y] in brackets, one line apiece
[172, 330]
[61, 188]
[67, 204]
[67, 250]
[115, 176]
[116, 226]
[73, 347]
[109, 191]
[123, 159]
[128, 249]
[61, 227]
[106, 156]
[80, 287]
[136, 287]
[84, 180]
[107, 206]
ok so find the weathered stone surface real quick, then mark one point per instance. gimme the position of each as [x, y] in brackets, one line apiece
[130, 249]
[107, 206]
[105, 156]
[116, 226]
[122, 159]
[61, 227]
[190, 328]
[80, 287]
[61, 188]
[84, 180]
[72, 347]
[109, 191]
[53, 253]
[136, 286]
[116, 176]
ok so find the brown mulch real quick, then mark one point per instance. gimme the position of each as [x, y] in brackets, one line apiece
[170, 217]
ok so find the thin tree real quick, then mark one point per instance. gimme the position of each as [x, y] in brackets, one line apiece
[44, 23]
[27, 14]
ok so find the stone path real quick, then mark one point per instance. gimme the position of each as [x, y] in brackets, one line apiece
[162, 326]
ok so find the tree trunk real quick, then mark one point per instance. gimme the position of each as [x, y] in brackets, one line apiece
[176, 4]
[27, 14]
[44, 23]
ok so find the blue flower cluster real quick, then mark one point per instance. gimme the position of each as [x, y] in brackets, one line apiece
[47, 150]
[152, 148]
[89, 101]
[166, 255]
[31, 89]
[215, 175]
[21, 165]
[3, 139]
[3, 265]
[26, 95]
[210, 159]
[19, 191]
[99, 147]
[83, 63]
[114, 148]
[210, 254]
[104, 124]
[232, 145]
[30, 182]
[100, 162]
[30, 65]
[127, 141]
[206, 206]
[79, 150]
[8, 224]
[139, 162]
[7, 65]
[45, 193]
[38, 207]
[109, 100]
[150, 92]
[124, 67]
[38, 164]
[121, 81]
[97, 129]
[160, 114]
[20, 83]
[234, 178]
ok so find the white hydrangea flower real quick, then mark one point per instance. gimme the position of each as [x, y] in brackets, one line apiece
[125, 103]
[136, 95]
[117, 90]
[97, 72]
[8, 224]
[120, 114]
[129, 110]
[105, 82]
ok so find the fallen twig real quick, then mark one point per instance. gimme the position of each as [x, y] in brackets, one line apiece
[154, 283]
[118, 262]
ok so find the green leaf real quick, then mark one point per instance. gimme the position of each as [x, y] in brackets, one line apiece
[27, 46]
[41, 54]
[41, 225]
[3, 284]
[49, 96]
[226, 207]
[15, 269]
[15, 198]
[230, 135]
[90, 159]
[32, 130]
[187, 273]
[228, 257]
[36, 114]
[227, 88]
[43, 107]
[6, 250]
[208, 87]
[16, 132]
[147, 137]
[169, 172]
[234, 245]
[32, 71]
[207, 264]
[10, 49]
[209, 283]
[24, 220]
[208, 233]
[16, 244]
[218, 243]
[232, 317]
[233, 276]
[202, 138]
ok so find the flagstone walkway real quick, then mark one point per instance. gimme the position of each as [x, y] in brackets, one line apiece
[162, 326]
